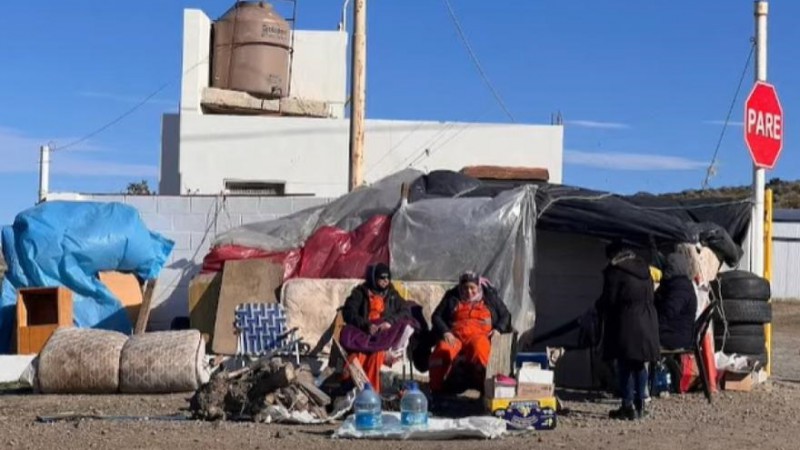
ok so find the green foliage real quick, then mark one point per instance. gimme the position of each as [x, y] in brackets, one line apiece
[786, 194]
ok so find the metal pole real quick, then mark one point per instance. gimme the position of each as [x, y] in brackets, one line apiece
[768, 269]
[44, 172]
[759, 176]
[358, 92]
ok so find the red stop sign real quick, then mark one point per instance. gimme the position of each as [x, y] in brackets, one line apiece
[763, 125]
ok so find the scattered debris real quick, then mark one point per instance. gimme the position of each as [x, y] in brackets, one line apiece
[260, 392]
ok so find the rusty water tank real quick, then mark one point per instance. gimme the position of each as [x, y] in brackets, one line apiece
[252, 44]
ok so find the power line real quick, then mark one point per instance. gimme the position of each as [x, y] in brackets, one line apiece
[712, 166]
[129, 111]
[117, 119]
[474, 57]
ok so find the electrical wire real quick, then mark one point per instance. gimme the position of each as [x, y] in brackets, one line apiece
[129, 111]
[712, 165]
[474, 57]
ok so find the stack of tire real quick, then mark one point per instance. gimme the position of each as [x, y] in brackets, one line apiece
[745, 308]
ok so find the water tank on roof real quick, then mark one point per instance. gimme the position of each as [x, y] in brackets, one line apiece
[252, 44]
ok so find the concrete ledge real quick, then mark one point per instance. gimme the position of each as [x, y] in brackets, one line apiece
[12, 366]
[236, 102]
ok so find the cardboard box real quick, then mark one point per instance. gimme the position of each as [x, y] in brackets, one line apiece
[740, 382]
[535, 390]
[495, 389]
[525, 414]
[501, 404]
[531, 374]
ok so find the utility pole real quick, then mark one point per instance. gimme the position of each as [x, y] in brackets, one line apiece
[358, 91]
[44, 172]
[759, 176]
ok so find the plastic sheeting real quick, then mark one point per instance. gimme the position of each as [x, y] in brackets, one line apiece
[347, 212]
[454, 223]
[440, 238]
[438, 429]
[67, 244]
[330, 252]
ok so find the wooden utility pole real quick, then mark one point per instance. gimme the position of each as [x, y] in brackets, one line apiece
[358, 91]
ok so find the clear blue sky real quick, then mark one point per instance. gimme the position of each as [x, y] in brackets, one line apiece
[642, 86]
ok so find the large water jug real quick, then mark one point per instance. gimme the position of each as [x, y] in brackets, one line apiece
[368, 410]
[414, 408]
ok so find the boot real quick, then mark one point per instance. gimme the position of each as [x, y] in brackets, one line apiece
[641, 409]
[623, 413]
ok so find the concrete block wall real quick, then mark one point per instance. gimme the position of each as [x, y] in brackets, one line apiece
[193, 222]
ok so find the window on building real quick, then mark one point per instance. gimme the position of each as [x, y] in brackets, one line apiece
[255, 188]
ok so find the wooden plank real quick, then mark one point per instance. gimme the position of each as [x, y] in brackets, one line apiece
[144, 312]
[203, 303]
[314, 393]
[246, 281]
[507, 173]
[501, 355]
[126, 289]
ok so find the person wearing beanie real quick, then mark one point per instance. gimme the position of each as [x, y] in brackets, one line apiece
[378, 323]
[464, 322]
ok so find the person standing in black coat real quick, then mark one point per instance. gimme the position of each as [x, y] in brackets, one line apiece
[630, 326]
[676, 304]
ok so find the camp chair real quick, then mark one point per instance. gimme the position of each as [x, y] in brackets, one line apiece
[701, 325]
[501, 361]
[338, 358]
[262, 331]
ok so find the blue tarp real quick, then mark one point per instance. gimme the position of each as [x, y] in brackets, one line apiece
[68, 244]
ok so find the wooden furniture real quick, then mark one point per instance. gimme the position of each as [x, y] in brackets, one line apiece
[40, 311]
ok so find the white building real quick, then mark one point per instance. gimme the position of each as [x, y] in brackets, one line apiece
[786, 254]
[205, 153]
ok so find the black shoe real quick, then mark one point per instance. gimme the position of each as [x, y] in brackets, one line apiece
[623, 413]
[641, 410]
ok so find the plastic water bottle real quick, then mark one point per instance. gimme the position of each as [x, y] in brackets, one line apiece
[414, 408]
[368, 410]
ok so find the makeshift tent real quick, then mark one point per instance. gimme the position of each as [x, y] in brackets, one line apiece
[511, 232]
[68, 244]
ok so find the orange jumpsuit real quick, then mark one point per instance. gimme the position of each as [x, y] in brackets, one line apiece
[472, 324]
[373, 362]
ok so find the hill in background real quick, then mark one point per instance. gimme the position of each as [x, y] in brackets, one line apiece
[786, 194]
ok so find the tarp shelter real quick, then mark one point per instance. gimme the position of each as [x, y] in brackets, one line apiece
[541, 244]
[68, 244]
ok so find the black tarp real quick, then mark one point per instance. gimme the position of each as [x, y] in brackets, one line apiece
[641, 219]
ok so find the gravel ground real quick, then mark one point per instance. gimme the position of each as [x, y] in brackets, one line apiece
[767, 418]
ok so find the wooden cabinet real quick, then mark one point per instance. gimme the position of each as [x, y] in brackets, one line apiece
[40, 311]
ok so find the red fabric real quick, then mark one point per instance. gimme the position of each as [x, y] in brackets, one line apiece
[216, 258]
[329, 253]
[334, 253]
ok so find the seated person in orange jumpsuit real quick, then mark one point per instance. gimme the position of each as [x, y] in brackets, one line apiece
[465, 320]
[378, 323]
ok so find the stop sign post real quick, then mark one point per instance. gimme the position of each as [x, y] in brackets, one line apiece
[763, 125]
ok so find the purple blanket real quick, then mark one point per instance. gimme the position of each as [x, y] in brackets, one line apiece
[356, 340]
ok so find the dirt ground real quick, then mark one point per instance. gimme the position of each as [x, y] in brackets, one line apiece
[767, 418]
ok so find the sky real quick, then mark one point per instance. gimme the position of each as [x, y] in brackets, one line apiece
[643, 87]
